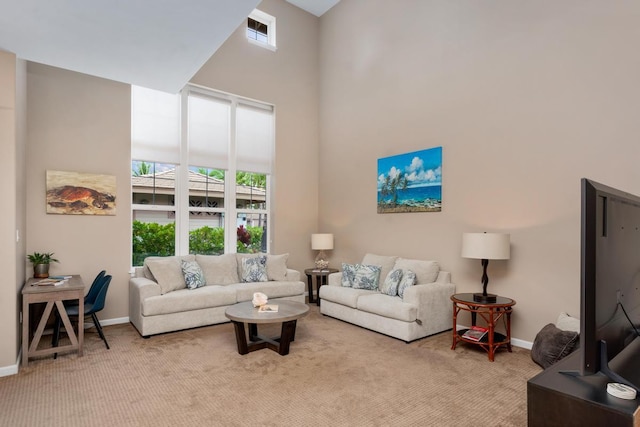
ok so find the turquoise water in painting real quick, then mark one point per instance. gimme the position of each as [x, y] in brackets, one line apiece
[426, 196]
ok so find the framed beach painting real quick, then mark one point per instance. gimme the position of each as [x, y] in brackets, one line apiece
[410, 182]
[75, 193]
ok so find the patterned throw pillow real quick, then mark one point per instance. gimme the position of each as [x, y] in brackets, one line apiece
[408, 279]
[348, 274]
[193, 275]
[391, 282]
[367, 277]
[254, 269]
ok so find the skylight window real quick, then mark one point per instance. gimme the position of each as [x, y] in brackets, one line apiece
[261, 29]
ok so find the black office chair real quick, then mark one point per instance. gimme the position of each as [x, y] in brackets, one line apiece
[94, 302]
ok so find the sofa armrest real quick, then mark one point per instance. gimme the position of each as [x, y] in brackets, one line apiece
[335, 279]
[140, 288]
[292, 275]
[432, 299]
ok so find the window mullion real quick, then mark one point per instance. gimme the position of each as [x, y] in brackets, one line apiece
[230, 188]
[182, 183]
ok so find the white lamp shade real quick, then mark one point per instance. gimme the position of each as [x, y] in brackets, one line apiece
[322, 241]
[486, 245]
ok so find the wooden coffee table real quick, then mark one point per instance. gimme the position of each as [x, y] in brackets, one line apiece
[288, 313]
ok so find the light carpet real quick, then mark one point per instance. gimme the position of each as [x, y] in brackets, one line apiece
[336, 374]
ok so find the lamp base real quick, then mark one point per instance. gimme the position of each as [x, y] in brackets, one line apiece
[480, 297]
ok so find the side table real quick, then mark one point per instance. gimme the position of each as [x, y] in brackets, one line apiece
[321, 279]
[491, 313]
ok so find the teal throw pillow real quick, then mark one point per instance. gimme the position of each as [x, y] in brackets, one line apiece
[193, 275]
[348, 274]
[408, 279]
[391, 282]
[367, 277]
[254, 269]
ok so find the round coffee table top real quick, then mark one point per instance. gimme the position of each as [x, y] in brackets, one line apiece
[287, 310]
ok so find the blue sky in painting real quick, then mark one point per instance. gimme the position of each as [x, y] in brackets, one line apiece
[421, 168]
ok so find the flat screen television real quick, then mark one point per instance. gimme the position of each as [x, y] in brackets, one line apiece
[610, 283]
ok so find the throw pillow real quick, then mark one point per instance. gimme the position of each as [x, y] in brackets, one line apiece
[391, 282]
[277, 267]
[193, 276]
[167, 273]
[218, 269]
[254, 269]
[568, 323]
[348, 274]
[146, 271]
[385, 262]
[426, 271]
[408, 279]
[367, 277]
[552, 344]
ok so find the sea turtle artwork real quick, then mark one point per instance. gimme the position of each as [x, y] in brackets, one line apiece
[80, 194]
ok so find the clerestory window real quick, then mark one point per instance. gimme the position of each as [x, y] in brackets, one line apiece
[261, 29]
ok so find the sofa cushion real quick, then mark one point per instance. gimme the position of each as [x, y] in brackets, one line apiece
[186, 300]
[146, 272]
[384, 262]
[343, 295]
[367, 277]
[219, 269]
[552, 344]
[192, 273]
[254, 269]
[348, 274]
[277, 267]
[245, 291]
[387, 306]
[167, 273]
[426, 271]
[391, 282]
[408, 279]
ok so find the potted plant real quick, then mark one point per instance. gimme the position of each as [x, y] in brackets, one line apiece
[41, 263]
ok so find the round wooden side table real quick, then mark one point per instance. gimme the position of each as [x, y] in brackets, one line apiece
[491, 313]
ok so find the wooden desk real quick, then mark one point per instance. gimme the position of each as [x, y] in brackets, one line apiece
[72, 289]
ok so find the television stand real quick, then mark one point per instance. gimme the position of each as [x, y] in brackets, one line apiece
[557, 399]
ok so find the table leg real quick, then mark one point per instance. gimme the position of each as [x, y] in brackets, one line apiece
[310, 288]
[287, 335]
[455, 322]
[320, 280]
[509, 330]
[253, 332]
[492, 328]
[241, 338]
[25, 330]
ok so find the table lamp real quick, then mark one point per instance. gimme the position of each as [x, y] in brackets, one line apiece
[485, 246]
[322, 242]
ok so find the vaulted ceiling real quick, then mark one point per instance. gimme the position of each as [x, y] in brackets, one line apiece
[159, 44]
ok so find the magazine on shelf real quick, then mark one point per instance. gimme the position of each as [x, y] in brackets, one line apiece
[268, 308]
[475, 333]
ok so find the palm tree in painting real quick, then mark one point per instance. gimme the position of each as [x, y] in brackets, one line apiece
[392, 185]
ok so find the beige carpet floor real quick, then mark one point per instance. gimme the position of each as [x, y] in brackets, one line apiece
[336, 374]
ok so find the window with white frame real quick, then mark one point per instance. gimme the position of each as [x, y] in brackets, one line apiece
[261, 29]
[207, 193]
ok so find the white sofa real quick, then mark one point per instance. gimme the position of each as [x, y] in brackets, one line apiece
[424, 309]
[159, 300]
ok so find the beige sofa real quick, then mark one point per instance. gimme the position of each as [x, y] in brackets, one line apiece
[424, 309]
[159, 300]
